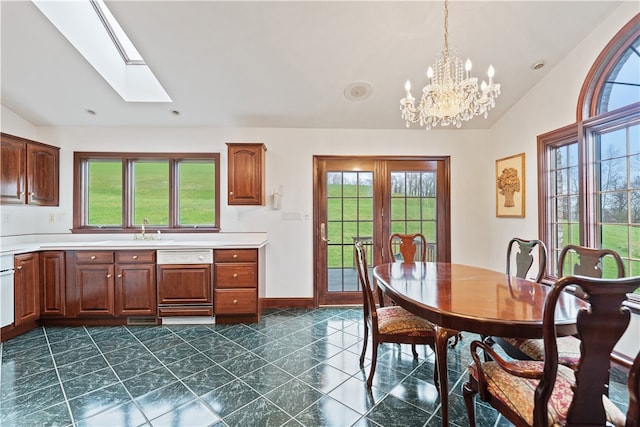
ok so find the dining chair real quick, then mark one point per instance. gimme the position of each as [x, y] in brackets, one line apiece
[573, 260]
[541, 393]
[409, 248]
[521, 254]
[392, 324]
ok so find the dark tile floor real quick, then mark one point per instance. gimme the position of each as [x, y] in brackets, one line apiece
[295, 367]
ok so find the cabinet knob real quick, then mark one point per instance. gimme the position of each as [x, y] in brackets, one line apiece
[32, 193]
[135, 257]
[119, 275]
[235, 255]
[231, 193]
[109, 276]
[235, 275]
[235, 301]
[93, 257]
[19, 267]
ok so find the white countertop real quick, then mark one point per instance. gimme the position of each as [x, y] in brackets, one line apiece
[128, 243]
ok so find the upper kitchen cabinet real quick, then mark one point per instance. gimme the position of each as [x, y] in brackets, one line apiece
[30, 172]
[246, 174]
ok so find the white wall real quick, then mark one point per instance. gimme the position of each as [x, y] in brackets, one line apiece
[290, 165]
[551, 104]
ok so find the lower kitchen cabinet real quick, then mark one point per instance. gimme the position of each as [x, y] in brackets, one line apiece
[237, 288]
[52, 287]
[135, 283]
[26, 286]
[92, 292]
[108, 283]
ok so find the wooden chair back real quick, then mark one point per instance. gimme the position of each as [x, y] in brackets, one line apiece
[524, 257]
[583, 261]
[599, 328]
[408, 248]
[368, 302]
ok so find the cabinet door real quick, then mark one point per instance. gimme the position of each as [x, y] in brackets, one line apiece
[184, 284]
[246, 174]
[42, 175]
[26, 288]
[52, 273]
[135, 289]
[95, 289]
[12, 171]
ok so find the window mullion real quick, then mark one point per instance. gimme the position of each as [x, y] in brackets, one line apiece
[127, 196]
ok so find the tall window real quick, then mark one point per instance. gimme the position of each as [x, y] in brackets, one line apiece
[120, 191]
[590, 171]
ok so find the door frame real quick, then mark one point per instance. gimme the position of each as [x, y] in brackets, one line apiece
[380, 187]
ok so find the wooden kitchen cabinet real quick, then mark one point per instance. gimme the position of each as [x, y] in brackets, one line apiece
[246, 168]
[29, 173]
[135, 283]
[53, 284]
[26, 288]
[236, 285]
[184, 290]
[92, 292]
[112, 283]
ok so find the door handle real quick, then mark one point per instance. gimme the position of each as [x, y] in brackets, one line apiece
[323, 233]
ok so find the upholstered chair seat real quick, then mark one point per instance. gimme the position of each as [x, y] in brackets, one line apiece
[517, 393]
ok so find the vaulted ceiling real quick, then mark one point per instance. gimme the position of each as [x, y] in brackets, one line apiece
[284, 63]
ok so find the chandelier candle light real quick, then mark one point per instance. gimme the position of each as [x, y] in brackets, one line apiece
[451, 95]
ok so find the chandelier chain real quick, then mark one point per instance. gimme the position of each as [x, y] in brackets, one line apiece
[446, 29]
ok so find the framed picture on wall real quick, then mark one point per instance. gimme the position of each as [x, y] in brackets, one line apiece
[510, 187]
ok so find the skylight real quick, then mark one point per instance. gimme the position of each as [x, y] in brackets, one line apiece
[127, 50]
[93, 31]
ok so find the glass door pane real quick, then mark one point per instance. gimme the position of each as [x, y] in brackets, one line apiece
[349, 220]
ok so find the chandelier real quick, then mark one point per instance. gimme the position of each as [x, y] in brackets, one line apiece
[451, 95]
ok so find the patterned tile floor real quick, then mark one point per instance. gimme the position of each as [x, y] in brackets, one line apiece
[295, 367]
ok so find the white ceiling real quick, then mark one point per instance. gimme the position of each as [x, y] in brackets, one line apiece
[283, 63]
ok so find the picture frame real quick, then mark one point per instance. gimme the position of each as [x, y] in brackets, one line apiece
[510, 187]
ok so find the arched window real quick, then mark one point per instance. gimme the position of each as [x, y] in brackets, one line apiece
[589, 186]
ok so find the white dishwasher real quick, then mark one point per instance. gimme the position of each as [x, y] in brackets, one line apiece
[6, 290]
[185, 283]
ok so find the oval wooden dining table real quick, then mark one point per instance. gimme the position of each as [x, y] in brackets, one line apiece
[457, 297]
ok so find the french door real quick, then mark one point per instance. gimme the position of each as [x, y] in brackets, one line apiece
[367, 199]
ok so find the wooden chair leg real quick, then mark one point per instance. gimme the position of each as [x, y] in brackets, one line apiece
[436, 377]
[413, 350]
[364, 345]
[469, 401]
[374, 359]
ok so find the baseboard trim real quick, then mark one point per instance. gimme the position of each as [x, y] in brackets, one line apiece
[287, 303]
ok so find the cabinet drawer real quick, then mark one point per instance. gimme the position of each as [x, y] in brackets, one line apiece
[129, 257]
[235, 255]
[238, 275]
[94, 257]
[237, 301]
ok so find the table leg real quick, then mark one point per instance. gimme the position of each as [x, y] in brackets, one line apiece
[442, 342]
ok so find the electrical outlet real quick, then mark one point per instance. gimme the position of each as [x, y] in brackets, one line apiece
[52, 218]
